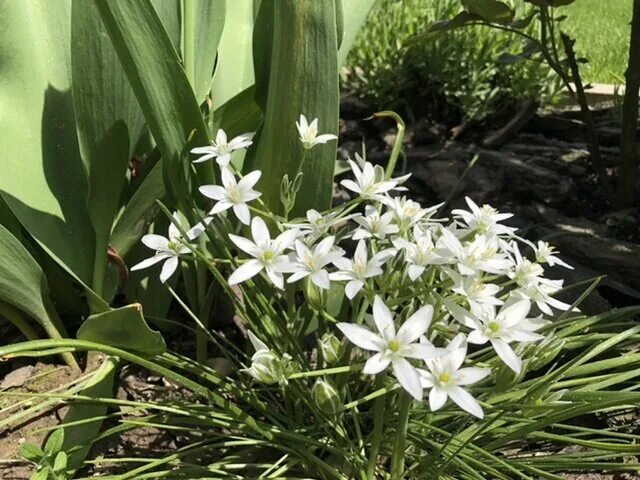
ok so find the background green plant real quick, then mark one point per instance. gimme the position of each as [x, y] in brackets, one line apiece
[458, 73]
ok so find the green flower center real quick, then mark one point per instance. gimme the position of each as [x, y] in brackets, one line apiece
[444, 378]
[172, 245]
[494, 327]
[394, 346]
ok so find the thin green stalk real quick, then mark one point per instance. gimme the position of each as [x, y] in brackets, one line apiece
[397, 144]
[378, 424]
[399, 444]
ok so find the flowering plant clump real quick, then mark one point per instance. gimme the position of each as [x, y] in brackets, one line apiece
[380, 297]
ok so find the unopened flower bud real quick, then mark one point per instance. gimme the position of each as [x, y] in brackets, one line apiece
[265, 367]
[331, 348]
[326, 397]
[315, 296]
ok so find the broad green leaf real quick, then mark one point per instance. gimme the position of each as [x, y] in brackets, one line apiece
[123, 327]
[203, 21]
[24, 286]
[31, 452]
[238, 115]
[54, 442]
[43, 179]
[170, 12]
[354, 15]
[161, 86]
[234, 69]
[296, 73]
[100, 385]
[109, 124]
[490, 10]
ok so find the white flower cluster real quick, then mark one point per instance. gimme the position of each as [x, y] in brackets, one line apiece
[435, 285]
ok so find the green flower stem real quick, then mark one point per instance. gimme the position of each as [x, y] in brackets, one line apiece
[397, 145]
[399, 444]
[378, 426]
[326, 371]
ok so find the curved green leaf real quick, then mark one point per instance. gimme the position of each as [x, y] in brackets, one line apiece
[234, 70]
[296, 51]
[109, 124]
[123, 327]
[24, 286]
[160, 84]
[202, 28]
[43, 180]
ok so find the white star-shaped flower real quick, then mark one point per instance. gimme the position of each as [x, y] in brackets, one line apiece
[309, 133]
[473, 289]
[221, 149]
[394, 348]
[374, 224]
[484, 220]
[267, 253]
[370, 181]
[445, 378]
[510, 324]
[233, 194]
[357, 271]
[169, 249]
[420, 253]
[312, 263]
[545, 253]
[482, 254]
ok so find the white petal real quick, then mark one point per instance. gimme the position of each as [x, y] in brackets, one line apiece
[408, 377]
[415, 271]
[506, 353]
[383, 318]
[286, 239]
[376, 364]
[321, 279]
[168, 268]
[437, 399]
[260, 231]
[150, 261]
[416, 325]
[242, 212]
[223, 160]
[258, 344]
[244, 244]
[155, 242]
[204, 158]
[276, 278]
[325, 138]
[221, 206]
[298, 276]
[216, 192]
[352, 288]
[471, 375]
[250, 179]
[228, 178]
[351, 185]
[423, 351]
[477, 337]
[199, 150]
[245, 271]
[361, 337]
[466, 402]
[514, 312]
